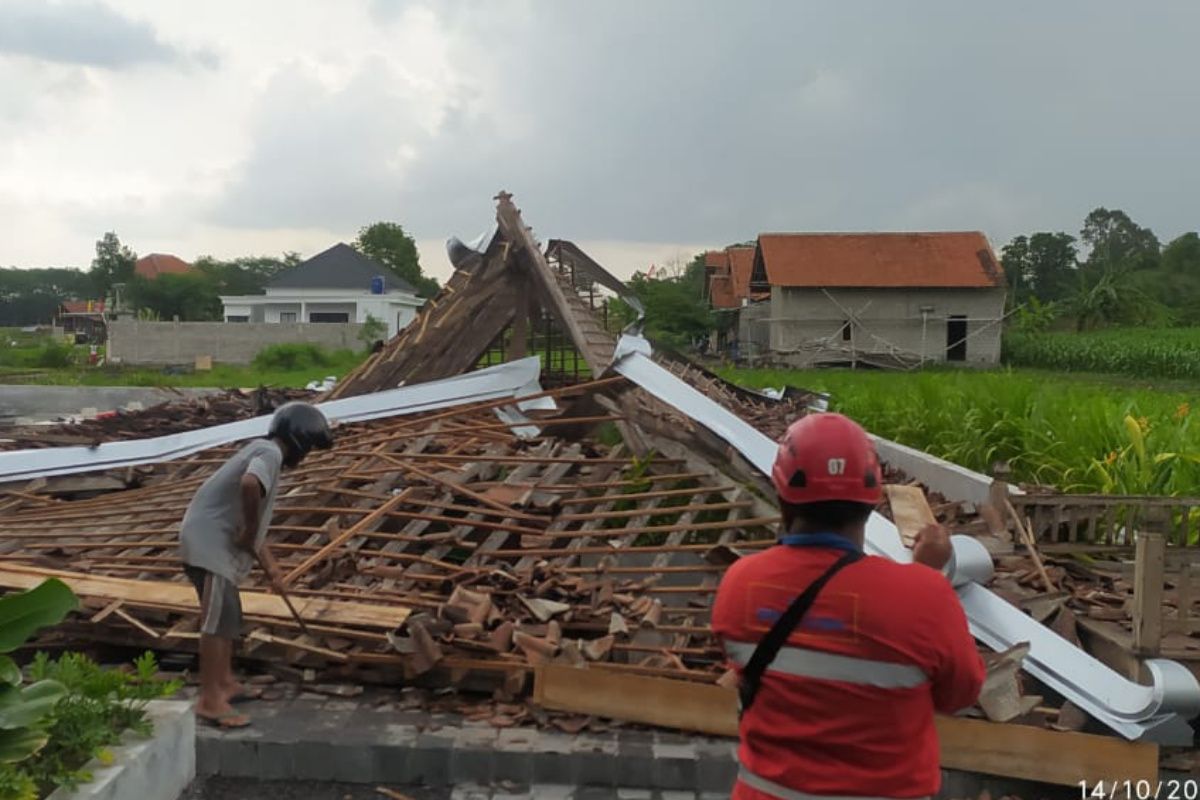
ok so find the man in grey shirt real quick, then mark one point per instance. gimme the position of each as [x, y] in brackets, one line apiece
[224, 527]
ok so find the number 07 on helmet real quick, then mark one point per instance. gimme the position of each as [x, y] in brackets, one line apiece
[825, 457]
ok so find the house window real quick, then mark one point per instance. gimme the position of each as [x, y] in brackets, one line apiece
[287, 316]
[329, 316]
[237, 318]
[846, 331]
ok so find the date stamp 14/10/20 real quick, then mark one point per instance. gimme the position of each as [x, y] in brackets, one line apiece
[1168, 789]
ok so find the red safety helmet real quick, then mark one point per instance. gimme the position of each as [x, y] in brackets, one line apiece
[827, 457]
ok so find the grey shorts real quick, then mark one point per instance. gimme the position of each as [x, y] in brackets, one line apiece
[220, 603]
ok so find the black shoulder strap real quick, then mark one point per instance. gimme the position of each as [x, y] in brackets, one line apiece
[771, 644]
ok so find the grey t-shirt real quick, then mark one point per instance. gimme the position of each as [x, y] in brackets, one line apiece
[207, 537]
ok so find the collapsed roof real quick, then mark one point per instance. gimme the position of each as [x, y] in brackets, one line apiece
[488, 534]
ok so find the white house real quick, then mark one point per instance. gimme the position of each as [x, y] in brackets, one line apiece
[338, 285]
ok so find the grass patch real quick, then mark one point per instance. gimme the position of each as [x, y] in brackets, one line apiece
[294, 370]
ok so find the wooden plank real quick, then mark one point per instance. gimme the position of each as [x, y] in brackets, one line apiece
[703, 708]
[1014, 751]
[137, 623]
[1148, 593]
[1183, 602]
[1019, 751]
[910, 510]
[183, 596]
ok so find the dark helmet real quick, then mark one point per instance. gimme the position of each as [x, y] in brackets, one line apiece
[302, 427]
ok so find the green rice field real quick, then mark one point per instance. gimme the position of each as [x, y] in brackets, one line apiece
[1077, 434]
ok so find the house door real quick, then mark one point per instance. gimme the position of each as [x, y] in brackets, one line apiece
[956, 338]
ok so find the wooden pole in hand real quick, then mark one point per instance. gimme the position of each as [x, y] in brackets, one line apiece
[279, 590]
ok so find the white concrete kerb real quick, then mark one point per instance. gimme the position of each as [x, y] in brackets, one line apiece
[156, 768]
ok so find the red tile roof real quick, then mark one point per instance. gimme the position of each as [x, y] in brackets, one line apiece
[716, 258]
[741, 262]
[83, 306]
[900, 260]
[155, 264]
[721, 294]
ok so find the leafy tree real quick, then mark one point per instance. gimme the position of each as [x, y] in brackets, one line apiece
[1014, 258]
[113, 264]
[1117, 242]
[191, 296]
[676, 312]
[387, 243]
[1052, 265]
[1182, 255]
[1114, 296]
[32, 296]
[246, 275]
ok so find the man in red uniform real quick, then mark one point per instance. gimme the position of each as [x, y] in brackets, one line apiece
[844, 706]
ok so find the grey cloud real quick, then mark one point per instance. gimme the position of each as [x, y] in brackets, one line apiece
[321, 158]
[703, 121]
[88, 33]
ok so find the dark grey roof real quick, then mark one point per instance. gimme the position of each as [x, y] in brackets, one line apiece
[339, 267]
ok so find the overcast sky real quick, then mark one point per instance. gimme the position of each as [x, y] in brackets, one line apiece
[642, 129]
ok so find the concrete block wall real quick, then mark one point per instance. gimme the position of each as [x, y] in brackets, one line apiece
[165, 343]
[887, 318]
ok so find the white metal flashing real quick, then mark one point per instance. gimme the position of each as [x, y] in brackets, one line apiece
[1158, 712]
[514, 379]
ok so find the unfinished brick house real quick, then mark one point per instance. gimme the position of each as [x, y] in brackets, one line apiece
[885, 299]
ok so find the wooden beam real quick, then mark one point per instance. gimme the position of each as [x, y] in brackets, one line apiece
[1013, 751]
[516, 232]
[1148, 593]
[182, 596]
[518, 344]
[363, 525]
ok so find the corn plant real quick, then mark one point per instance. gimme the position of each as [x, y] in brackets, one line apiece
[1138, 352]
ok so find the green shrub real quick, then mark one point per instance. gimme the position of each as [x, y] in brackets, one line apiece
[53, 356]
[98, 706]
[292, 356]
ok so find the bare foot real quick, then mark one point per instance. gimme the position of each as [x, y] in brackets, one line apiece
[237, 693]
[220, 714]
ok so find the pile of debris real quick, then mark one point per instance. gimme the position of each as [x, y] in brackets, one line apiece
[441, 541]
[185, 414]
